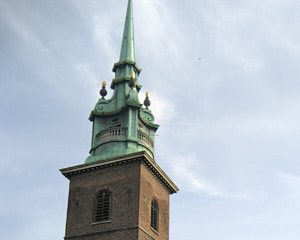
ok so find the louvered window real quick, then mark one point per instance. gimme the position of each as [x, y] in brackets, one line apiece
[154, 215]
[103, 206]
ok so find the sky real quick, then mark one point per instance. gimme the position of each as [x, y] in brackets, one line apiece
[223, 78]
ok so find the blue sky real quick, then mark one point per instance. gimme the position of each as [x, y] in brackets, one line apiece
[229, 134]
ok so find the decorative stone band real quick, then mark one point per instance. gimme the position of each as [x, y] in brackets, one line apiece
[110, 231]
[140, 157]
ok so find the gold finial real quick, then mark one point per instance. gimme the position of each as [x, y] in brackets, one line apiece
[147, 101]
[132, 82]
[103, 91]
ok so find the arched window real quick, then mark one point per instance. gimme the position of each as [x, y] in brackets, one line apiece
[154, 215]
[103, 206]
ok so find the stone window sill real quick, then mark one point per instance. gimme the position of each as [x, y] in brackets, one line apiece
[156, 232]
[103, 222]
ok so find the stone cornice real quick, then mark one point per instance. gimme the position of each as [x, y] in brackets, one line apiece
[140, 157]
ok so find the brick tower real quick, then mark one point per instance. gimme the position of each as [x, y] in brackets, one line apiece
[120, 192]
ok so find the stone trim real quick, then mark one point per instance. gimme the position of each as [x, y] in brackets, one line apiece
[140, 157]
[156, 232]
[102, 222]
[113, 230]
[146, 232]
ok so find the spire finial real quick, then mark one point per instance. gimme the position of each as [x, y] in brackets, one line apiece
[147, 101]
[103, 91]
[132, 82]
[127, 49]
[132, 75]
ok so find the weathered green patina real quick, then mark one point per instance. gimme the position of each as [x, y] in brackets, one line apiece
[121, 125]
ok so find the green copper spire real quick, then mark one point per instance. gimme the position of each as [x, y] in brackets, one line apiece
[126, 64]
[127, 49]
[121, 125]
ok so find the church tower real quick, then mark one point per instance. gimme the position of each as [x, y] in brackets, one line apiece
[120, 192]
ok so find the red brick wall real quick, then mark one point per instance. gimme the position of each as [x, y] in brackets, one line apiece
[122, 182]
[132, 189]
[151, 189]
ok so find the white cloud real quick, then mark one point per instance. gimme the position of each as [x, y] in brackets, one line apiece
[183, 168]
[21, 29]
[186, 171]
[105, 35]
[292, 183]
[244, 32]
[159, 37]
[278, 28]
[161, 107]
[234, 35]
[278, 120]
